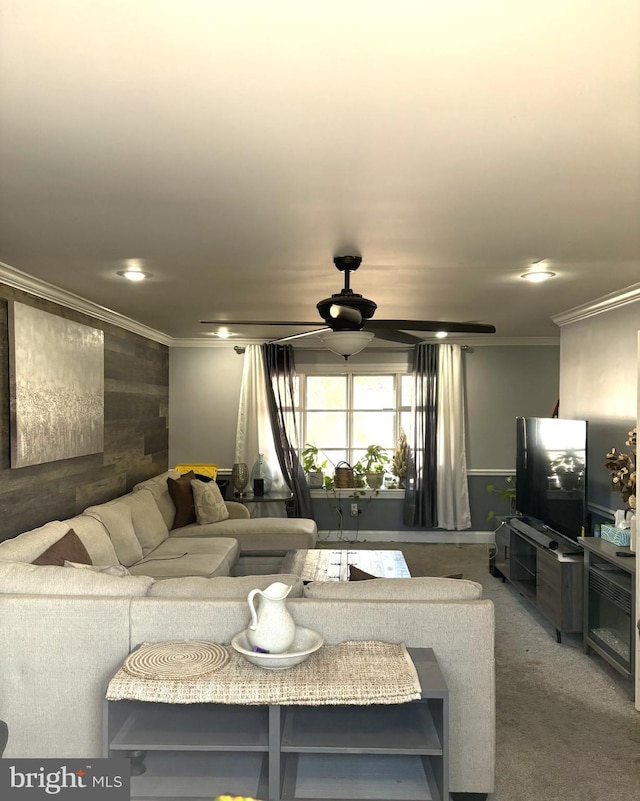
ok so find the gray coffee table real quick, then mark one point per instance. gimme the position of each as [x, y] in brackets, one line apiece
[324, 564]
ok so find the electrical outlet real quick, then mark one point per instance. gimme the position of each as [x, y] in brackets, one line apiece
[354, 510]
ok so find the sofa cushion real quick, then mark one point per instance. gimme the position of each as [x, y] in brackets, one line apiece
[223, 586]
[23, 579]
[116, 518]
[95, 539]
[111, 570]
[259, 534]
[209, 503]
[28, 546]
[181, 494]
[157, 486]
[421, 588]
[184, 556]
[148, 523]
[237, 510]
[69, 548]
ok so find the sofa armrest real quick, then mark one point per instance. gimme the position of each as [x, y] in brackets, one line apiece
[237, 510]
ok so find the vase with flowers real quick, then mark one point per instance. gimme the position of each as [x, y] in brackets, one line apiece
[623, 476]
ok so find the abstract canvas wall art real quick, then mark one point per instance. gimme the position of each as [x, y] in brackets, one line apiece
[57, 387]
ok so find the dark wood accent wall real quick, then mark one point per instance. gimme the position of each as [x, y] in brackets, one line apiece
[136, 437]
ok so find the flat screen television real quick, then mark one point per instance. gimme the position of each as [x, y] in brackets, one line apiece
[551, 473]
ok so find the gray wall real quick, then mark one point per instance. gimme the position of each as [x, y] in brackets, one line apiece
[204, 391]
[503, 382]
[598, 383]
[136, 373]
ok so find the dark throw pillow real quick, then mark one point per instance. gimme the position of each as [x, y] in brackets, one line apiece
[68, 549]
[355, 574]
[181, 493]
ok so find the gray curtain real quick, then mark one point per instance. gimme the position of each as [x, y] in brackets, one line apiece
[420, 498]
[280, 372]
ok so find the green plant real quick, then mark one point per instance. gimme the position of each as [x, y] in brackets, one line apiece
[311, 462]
[504, 493]
[374, 460]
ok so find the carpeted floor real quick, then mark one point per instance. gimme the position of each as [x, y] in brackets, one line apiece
[567, 729]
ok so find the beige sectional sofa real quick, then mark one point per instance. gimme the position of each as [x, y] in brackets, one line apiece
[66, 629]
[254, 536]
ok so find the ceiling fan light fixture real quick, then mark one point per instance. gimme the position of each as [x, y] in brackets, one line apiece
[346, 343]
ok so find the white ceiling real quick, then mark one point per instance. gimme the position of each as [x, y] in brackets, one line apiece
[235, 148]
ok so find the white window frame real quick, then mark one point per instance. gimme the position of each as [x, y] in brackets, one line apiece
[398, 409]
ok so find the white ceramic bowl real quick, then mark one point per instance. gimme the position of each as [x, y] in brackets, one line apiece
[304, 644]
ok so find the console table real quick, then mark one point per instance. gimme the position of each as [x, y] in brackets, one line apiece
[550, 578]
[285, 753]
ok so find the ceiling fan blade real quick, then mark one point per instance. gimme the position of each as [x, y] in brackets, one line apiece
[394, 336]
[255, 322]
[431, 325]
[299, 336]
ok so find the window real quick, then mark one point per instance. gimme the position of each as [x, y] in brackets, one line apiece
[343, 414]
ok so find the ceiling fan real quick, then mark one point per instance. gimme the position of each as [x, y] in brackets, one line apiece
[349, 324]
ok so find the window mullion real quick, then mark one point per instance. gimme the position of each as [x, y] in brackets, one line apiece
[350, 418]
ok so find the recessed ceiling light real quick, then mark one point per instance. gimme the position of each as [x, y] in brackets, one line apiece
[538, 276]
[133, 275]
[223, 333]
[442, 334]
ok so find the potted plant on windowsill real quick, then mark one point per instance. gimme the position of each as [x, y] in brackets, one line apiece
[313, 466]
[400, 459]
[373, 465]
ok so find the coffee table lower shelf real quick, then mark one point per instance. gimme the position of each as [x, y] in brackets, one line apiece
[288, 753]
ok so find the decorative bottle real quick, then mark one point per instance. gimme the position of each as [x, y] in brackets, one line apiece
[261, 470]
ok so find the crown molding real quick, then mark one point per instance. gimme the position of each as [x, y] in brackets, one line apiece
[604, 304]
[502, 341]
[41, 289]
[230, 342]
[390, 346]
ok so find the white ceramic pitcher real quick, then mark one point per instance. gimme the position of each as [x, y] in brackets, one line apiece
[272, 628]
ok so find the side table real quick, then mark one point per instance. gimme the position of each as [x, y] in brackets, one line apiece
[283, 496]
[288, 753]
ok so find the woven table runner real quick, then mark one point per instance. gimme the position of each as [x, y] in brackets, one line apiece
[354, 672]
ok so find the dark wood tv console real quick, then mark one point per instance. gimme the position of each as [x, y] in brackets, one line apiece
[550, 577]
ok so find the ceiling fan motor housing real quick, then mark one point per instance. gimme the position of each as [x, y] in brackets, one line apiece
[329, 308]
[351, 300]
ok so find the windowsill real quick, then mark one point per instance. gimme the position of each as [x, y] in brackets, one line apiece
[364, 492]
